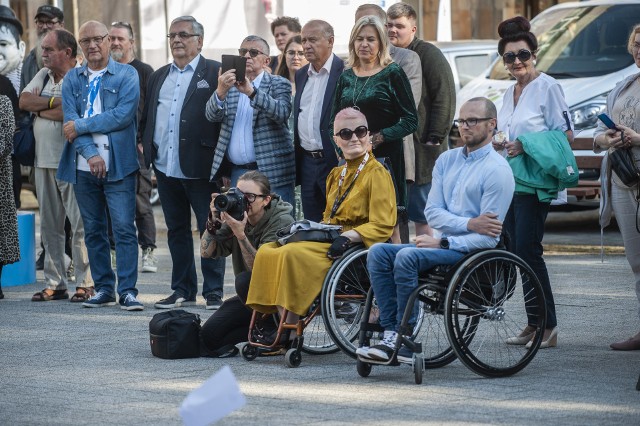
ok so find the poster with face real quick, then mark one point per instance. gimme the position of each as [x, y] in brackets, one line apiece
[12, 49]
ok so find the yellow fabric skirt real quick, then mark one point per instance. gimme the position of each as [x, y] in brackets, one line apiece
[290, 276]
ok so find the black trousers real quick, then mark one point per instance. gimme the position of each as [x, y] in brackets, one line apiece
[229, 325]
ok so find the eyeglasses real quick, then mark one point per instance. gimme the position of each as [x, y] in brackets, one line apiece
[86, 42]
[252, 52]
[470, 122]
[360, 131]
[293, 53]
[524, 55]
[50, 24]
[252, 197]
[635, 46]
[183, 35]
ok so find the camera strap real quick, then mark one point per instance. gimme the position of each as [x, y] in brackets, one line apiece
[343, 174]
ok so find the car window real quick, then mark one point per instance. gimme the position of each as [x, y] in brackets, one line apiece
[469, 66]
[581, 42]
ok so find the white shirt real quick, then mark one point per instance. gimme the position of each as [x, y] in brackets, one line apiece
[540, 108]
[311, 106]
[94, 107]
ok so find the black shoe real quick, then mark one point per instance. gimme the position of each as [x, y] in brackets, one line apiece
[213, 301]
[174, 301]
[1, 293]
[40, 261]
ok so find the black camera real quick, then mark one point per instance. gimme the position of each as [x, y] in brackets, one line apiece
[232, 202]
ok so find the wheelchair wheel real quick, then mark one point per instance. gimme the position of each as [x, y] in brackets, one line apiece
[316, 338]
[418, 367]
[249, 352]
[343, 296]
[431, 331]
[487, 290]
[293, 358]
[363, 368]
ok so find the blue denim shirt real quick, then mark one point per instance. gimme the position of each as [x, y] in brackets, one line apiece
[120, 91]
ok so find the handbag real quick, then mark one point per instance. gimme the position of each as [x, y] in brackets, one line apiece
[24, 141]
[624, 166]
[175, 334]
[307, 230]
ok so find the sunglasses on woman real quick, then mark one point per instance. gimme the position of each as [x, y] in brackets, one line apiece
[360, 131]
[523, 55]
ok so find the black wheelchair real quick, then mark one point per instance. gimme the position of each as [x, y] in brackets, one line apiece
[465, 311]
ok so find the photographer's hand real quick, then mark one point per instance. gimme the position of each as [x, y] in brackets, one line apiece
[236, 226]
[225, 82]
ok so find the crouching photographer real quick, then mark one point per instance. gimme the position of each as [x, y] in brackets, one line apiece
[240, 221]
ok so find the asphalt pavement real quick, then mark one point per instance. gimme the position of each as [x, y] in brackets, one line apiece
[62, 364]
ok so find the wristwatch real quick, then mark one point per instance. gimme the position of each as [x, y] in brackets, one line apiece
[444, 244]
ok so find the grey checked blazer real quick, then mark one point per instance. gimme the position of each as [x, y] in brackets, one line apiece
[271, 137]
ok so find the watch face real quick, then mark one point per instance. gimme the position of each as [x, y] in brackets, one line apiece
[444, 243]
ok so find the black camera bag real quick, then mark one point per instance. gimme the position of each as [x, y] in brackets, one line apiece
[175, 334]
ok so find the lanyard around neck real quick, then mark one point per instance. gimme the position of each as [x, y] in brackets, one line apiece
[343, 174]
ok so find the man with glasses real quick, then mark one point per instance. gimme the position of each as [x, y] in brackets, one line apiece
[435, 110]
[316, 84]
[47, 18]
[471, 192]
[122, 43]
[99, 102]
[180, 143]
[254, 113]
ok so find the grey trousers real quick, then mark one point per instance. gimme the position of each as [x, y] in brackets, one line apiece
[57, 200]
[625, 209]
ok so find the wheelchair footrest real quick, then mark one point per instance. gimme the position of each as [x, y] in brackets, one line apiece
[367, 326]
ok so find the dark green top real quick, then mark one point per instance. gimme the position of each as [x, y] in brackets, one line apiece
[386, 100]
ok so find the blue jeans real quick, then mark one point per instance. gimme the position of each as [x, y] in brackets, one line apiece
[94, 196]
[394, 270]
[286, 192]
[178, 197]
[524, 224]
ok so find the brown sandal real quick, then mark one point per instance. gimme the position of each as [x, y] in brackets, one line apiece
[44, 296]
[82, 294]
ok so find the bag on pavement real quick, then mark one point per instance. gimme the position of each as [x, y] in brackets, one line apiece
[175, 334]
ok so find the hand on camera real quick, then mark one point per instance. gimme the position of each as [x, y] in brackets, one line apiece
[338, 247]
[236, 226]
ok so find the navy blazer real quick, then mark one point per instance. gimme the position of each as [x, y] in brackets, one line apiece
[198, 136]
[325, 117]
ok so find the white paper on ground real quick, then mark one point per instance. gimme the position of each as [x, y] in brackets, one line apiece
[217, 397]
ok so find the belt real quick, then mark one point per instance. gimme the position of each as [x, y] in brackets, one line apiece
[248, 166]
[314, 154]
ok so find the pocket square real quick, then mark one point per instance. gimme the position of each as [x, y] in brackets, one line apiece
[202, 84]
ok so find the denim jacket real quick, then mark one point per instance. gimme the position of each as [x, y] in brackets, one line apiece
[119, 91]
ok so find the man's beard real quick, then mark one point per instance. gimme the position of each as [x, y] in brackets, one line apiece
[117, 55]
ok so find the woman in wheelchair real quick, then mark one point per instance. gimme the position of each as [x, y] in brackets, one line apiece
[471, 192]
[360, 198]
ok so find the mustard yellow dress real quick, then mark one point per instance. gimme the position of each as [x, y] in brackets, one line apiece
[291, 276]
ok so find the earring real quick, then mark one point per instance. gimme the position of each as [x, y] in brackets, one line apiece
[535, 62]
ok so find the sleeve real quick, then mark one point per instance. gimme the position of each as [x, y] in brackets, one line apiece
[7, 127]
[120, 116]
[37, 81]
[497, 192]
[411, 67]
[382, 208]
[276, 104]
[555, 108]
[405, 107]
[336, 107]
[436, 211]
[441, 93]
[83, 144]
[215, 108]
[224, 242]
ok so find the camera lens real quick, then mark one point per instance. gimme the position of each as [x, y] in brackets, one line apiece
[221, 202]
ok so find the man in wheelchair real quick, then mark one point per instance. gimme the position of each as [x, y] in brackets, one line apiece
[471, 192]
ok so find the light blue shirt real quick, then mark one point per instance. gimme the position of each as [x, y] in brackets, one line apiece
[241, 149]
[464, 186]
[167, 131]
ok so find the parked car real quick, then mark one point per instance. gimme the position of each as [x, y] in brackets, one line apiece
[584, 46]
[468, 58]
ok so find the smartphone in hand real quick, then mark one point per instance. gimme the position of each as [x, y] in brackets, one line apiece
[239, 63]
[607, 121]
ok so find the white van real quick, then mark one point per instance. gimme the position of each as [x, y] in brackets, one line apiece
[584, 46]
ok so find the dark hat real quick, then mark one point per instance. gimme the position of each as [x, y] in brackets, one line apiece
[50, 11]
[7, 15]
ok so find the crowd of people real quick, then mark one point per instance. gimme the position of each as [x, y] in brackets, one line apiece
[364, 138]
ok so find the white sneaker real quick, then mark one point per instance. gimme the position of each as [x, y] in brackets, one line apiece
[363, 351]
[149, 261]
[385, 349]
